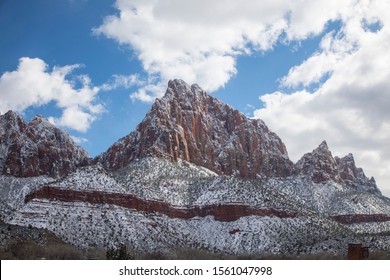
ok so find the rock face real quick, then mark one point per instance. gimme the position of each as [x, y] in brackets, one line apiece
[354, 176]
[321, 166]
[220, 212]
[36, 148]
[189, 124]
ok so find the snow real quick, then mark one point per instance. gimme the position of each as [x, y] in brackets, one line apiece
[331, 198]
[90, 178]
[183, 184]
[13, 190]
[86, 225]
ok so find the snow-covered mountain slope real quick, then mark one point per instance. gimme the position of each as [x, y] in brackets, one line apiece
[173, 186]
[13, 191]
[332, 186]
[181, 185]
[105, 225]
[320, 166]
[89, 178]
[36, 148]
[184, 186]
[94, 222]
[331, 198]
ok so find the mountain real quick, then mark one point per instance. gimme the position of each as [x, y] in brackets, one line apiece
[36, 148]
[320, 166]
[195, 174]
[190, 125]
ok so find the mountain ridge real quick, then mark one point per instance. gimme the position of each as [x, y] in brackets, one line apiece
[181, 125]
[185, 124]
[36, 148]
[320, 166]
[195, 173]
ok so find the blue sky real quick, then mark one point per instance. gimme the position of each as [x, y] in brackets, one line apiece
[312, 71]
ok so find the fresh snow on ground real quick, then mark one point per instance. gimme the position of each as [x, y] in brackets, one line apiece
[185, 185]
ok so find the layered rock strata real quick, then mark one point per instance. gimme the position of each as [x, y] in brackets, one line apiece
[220, 212]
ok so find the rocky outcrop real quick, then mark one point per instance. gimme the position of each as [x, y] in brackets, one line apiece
[36, 148]
[321, 166]
[189, 124]
[354, 176]
[220, 212]
[361, 218]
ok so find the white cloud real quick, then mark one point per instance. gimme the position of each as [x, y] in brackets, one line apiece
[351, 108]
[148, 92]
[199, 40]
[333, 49]
[33, 84]
[121, 81]
[79, 140]
[75, 118]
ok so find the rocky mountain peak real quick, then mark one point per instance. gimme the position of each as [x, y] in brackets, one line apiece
[190, 125]
[181, 90]
[353, 175]
[36, 148]
[10, 115]
[11, 121]
[179, 87]
[323, 147]
[321, 166]
[39, 119]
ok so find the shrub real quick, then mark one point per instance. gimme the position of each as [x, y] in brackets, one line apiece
[119, 254]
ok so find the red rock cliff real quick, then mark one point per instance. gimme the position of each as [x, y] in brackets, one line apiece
[320, 166]
[220, 212]
[36, 148]
[189, 124]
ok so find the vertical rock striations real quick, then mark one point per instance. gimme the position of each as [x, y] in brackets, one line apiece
[190, 125]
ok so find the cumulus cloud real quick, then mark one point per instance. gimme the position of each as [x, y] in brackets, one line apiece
[199, 40]
[79, 140]
[340, 93]
[121, 81]
[33, 84]
[350, 108]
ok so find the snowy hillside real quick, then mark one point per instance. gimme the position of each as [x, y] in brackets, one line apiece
[104, 225]
[184, 185]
